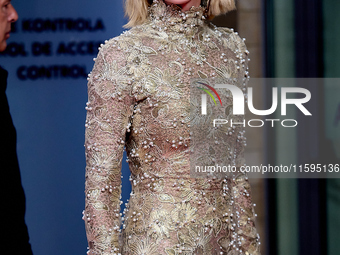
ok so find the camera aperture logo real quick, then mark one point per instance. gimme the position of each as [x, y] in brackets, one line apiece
[238, 104]
[204, 96]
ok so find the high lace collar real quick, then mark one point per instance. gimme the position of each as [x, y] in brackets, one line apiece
[172, 18]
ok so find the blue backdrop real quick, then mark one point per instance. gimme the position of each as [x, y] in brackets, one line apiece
[48, 57]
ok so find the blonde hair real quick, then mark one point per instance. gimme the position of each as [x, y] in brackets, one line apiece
[137, 10]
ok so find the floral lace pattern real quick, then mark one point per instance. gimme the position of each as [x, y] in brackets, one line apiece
[138, 99]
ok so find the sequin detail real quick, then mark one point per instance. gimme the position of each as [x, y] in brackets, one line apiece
[137, 98]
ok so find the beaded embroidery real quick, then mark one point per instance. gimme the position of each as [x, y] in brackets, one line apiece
[137, 98]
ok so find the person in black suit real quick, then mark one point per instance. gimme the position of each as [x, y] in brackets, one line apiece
[14, 239]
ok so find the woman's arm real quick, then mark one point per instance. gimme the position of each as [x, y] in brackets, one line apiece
[109, 108]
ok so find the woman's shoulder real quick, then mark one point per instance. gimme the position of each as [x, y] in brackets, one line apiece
[112, 50]
[114, 44]
[230, 38]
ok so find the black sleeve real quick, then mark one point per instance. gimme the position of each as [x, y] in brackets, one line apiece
[14, 237]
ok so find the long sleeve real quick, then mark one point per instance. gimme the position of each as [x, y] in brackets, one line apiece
[109, 109]
[248, 237]
[14, 231]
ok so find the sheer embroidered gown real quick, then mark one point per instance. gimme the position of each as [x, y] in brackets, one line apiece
[138, 99]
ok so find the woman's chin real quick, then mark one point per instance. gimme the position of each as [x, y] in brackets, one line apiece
[176, 1]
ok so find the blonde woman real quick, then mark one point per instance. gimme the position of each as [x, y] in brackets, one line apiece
[138, 99]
